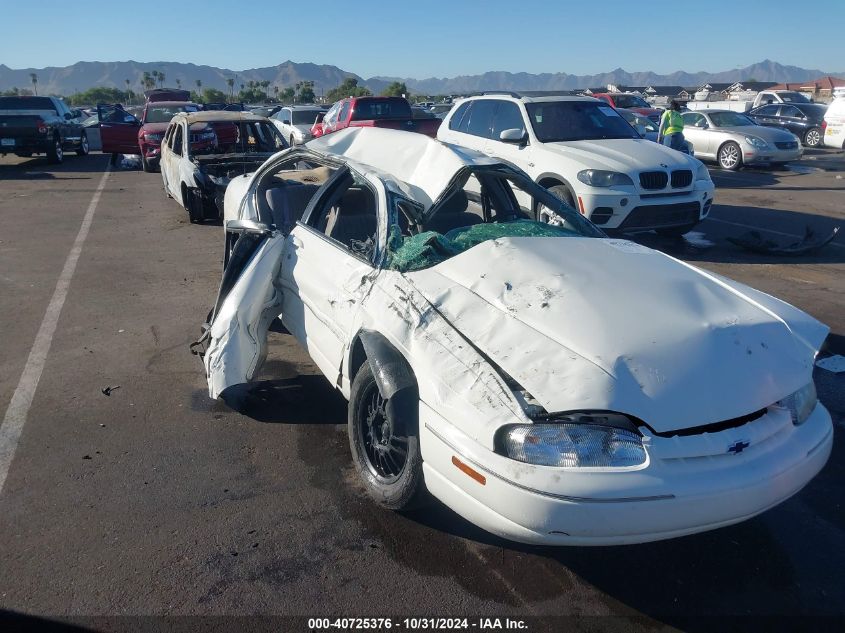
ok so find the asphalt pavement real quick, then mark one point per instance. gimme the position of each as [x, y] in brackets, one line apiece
[131, 493]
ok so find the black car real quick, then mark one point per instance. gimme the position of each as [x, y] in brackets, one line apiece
[802, 119]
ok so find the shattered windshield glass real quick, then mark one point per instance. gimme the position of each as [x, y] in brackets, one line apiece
[485, 206]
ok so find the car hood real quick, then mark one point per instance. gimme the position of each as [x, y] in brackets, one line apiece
[768, 134]
[603, 324]
[154, 128]
[305, 128]
[623, 155]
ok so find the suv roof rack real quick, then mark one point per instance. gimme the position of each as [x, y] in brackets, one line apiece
[511, 93]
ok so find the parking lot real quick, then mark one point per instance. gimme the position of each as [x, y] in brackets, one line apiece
[131, 493]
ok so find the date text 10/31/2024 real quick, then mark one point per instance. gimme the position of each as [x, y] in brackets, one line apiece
[316, 625]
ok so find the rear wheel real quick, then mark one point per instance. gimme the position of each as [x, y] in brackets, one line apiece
[83, 145]
[55, 153]
[383, 437]
[813, 137]
[730, 156]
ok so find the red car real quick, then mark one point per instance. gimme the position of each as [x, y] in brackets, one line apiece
[387, 112]
[122, 133]
[630, 101]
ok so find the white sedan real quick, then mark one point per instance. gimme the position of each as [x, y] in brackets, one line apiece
[524, 372]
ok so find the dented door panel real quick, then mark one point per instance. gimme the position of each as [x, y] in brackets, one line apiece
[238, 331]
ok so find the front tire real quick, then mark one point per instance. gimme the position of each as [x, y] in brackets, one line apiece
[730, 156]
[83, 145]
[384, 439]
[813, 137]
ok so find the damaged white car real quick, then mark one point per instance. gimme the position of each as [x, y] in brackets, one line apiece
[202, 151]
[545, 382]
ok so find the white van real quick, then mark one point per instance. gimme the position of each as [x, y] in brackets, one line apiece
[834, 124]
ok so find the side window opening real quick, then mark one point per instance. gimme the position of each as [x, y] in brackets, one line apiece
[460, 119]
[349, 215]
[177, 141]
[283, 195]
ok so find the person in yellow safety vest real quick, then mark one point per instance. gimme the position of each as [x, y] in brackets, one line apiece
[671, 131]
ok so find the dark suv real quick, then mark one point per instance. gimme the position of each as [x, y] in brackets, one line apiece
[802, 119]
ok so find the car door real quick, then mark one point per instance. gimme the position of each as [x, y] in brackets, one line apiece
[766, 115]
[476, 126]
[697, 134]
[509, 116]
[792, 119]
[170, 164]
[118, 130]
[326, 270]
[177, 148]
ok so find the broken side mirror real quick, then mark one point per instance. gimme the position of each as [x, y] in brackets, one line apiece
[514, 135]
[248, 226]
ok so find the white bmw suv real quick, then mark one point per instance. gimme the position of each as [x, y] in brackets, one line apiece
[585, 153]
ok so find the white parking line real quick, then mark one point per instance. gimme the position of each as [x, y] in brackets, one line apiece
[10, 429]
[758, 228]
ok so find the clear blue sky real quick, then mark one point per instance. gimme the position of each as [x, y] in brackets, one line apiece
[424, 38]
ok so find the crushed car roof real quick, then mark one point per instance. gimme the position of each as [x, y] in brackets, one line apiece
[424, 165]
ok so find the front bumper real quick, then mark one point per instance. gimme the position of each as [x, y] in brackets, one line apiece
[752, 156]
[623, 211]
[152, 153]
[672, 495]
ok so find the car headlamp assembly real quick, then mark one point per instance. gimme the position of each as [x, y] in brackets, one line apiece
[602, 178]
[801, 403]
[701, 172]
[756, 142]
[583, 439]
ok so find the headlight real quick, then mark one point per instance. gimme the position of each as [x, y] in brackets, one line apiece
[568, 444]
[153, 138]
[602, 178]
[756, 142]
[702, 173]
[801, 403]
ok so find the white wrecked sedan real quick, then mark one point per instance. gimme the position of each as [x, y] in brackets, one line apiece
[545, 382]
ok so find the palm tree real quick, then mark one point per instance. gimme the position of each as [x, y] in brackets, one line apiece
[179, 84]
[148, 80]
[155, 77]
[231, 83]
[266, 84]
[160, 79]
[276, 93]
[127, 82]
[198, 82]
[34, 79]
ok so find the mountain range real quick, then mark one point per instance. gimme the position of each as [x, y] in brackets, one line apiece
[83, 75]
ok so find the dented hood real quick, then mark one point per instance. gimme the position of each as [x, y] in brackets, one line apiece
[585, 323]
